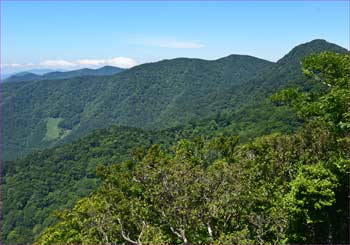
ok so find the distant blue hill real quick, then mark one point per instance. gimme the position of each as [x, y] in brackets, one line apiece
[47, 74]
[43, 71]
[33, 71]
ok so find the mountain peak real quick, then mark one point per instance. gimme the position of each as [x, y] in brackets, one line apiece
[242, 58]
[305, 49]
[109, 67]
[317, 41]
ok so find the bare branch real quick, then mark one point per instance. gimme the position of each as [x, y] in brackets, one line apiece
[141, 233]
[125, 236]
[210, 231]
[183, 236]
[180, 234]
[175, 232]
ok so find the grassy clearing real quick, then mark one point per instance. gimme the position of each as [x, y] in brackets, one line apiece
[53, 131]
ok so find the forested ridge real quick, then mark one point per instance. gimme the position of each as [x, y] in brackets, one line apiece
[158, 95]
[224, 165]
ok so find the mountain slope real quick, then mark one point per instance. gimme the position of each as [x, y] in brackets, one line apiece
[55, 178]
[22, 76]
[287, 71]
[60, 176]
[152, 95]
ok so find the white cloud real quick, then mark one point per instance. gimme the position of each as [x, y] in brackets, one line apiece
[169, 43]
[14, 65]
[122, 62]
[89, 62]
[57, 63]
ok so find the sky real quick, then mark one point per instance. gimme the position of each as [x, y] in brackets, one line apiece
[70, 35]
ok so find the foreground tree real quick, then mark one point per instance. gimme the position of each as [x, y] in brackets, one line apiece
[318, 204]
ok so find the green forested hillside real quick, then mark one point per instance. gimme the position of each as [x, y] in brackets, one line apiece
[53, 179]
[265, 180]
[275, 189]
[161, 103]
[156, 95]
[61, 175]
[287, 71]
[144, 96]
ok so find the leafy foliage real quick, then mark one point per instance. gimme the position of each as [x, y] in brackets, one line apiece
[332, 70]
[215, 192]
[53, 179]
[314, 190]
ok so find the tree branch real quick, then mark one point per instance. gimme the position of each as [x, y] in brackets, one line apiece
[141, 233]
[210, 231]
[180, 235]
[123, 234]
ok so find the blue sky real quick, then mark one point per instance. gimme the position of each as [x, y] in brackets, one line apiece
[70, 35]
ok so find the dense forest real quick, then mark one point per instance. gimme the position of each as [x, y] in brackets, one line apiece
[244, 151]
[158, 95]
[276, 189]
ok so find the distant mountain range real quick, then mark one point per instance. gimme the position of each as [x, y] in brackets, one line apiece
[48, 74]
[157, 95]
[40, 71]
[34, 71]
